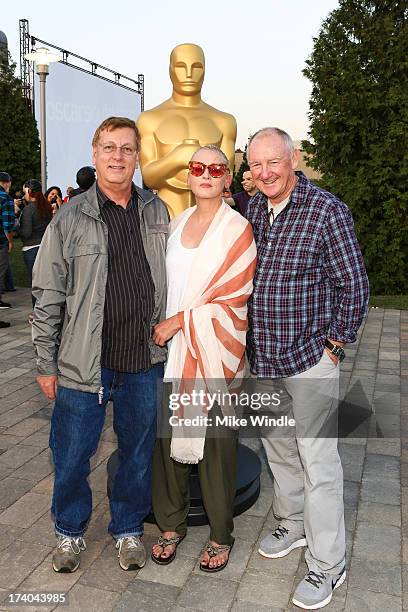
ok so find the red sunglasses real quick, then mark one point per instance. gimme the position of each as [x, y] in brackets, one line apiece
[215, 170]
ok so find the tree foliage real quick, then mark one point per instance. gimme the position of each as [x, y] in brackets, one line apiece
[20, 146]
[236, 184]
[359, 128]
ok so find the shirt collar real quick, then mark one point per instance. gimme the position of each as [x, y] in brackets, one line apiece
[103, 198]
[297, 197]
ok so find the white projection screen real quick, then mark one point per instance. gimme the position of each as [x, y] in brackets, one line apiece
[77, 102]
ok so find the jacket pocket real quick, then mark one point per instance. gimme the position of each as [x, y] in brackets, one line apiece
[79, 250]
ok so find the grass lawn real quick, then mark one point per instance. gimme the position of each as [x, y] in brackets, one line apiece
[399, 302]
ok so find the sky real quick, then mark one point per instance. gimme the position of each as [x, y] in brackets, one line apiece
[255, 50]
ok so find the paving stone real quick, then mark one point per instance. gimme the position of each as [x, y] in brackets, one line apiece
[27, 427]
[4, 471]
[37, 468]
[262, 588]
[92, 600]
[261, 506]
[144, 596]
[105, 573]
[45, 485]
[379, 514]
[367, 601]
[381, 466]
[388, 425]
[42, 531]
[350, 518]
[380, 490]
[352, 457]
[9, 534]
[174, 574]
[18, 560]
[98, 478]
[375, 575]
[18, 455]
[404, 572]
[246, 606]
[203, 594]
[193, 543]
[373, 544]
[105, 449]
[247, 527]
[11, 489]
[26, 510]
[98, 527]
[351, 492]
[384, 446]
[39, 438]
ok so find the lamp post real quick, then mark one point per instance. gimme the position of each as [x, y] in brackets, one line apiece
[42, 58]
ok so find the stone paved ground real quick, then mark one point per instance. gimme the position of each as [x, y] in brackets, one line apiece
[376, 499]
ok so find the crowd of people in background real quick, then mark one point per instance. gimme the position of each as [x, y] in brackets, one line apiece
[26, 216]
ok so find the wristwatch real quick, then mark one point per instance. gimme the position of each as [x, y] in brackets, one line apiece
[335, 350]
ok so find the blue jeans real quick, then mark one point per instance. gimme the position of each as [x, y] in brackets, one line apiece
[29, 259]
[76, 428]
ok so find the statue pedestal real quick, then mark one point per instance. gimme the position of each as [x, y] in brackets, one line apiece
[248, 485]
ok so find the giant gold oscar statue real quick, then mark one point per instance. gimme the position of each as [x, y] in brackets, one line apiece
[174, 130]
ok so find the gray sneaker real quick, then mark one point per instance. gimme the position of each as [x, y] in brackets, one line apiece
[280, 543]
[316, 589]
[67, 555]
[132, 553]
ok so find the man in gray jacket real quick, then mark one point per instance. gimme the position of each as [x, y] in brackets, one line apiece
[100, 285]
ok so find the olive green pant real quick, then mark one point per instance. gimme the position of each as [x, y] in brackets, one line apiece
[217, 473]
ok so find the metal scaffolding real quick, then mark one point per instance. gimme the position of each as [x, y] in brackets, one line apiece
[28, 43]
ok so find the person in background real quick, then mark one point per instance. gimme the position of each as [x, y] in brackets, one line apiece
[242, 198]
[54, 197]
[6, 234]
[34, 219]
[85, 178]
[68, 194]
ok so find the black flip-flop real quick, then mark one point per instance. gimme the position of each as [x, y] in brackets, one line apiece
[213, 551]
[167, 542]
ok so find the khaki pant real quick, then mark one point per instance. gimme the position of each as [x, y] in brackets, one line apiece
[217, 473]
[304, 460]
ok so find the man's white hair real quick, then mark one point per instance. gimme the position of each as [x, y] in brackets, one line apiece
[276, 132]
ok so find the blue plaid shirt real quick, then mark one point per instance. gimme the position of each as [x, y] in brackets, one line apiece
[310, 283]
[6, 217]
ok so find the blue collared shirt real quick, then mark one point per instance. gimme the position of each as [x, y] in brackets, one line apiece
[6, 217]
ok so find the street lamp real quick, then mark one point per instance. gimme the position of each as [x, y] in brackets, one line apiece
[42, 59]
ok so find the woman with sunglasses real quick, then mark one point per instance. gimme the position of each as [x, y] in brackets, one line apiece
[210, 260]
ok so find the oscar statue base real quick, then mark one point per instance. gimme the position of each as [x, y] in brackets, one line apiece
[248, 485]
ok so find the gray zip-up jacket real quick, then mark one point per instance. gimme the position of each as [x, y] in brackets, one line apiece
[69, 282]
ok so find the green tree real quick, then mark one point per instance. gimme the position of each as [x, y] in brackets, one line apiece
[20, 145]
[236, 184]
[359, 128]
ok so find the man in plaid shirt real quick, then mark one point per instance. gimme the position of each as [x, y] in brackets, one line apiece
[310, 297]
[6, 237]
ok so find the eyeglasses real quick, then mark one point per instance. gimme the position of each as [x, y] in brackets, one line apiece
[215, 170]
[110, 148]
